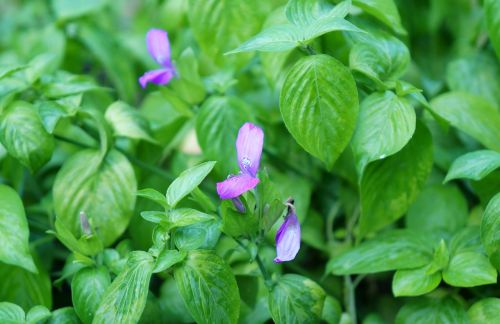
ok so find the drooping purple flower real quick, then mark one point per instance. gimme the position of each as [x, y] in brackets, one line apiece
[288, 236]
[159, 48]
[249, 147]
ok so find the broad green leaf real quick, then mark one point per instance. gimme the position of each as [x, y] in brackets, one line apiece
[38, 314]
[485, 311]
[189, 85]
[296, 299]
[475, 165]
[394, 250]
[383, 10]
[432, 310]
[168, 258]
[197, 236]
[319, 105]
[187, 216]
[11, 313]
[124, 300]
[217, 125]
[238, 224]
[102, 187]
[187, 181]
[414, 282]
[87, 289]
[272, 39]
[469, 269]
[65, 315]
[51, 112]
[128, 122]
[332, 311]
[67, 9]
[14, 231]
[466, 240]
[208, 287]
[492, 14]
[385, 125]
[153, 195]
[304, 12]
[438, 207]
[471, 114]
[172, 304]
[490, 230]
[32, 145]
[63, 84]
[402, 176]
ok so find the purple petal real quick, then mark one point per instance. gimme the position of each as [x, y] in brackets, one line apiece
[162, 76]
[288, 239]
[236, 185]
[249, 146]
[159, 46]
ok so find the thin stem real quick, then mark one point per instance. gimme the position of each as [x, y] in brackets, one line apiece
[260, 264]
[330, 218]
[350, 298]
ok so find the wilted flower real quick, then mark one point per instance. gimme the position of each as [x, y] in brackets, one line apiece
[288, 236]
[249, 147]
[159, 48]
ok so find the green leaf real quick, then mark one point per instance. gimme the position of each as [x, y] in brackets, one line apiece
[189, 85]
[492, 15]
[432, 310]
[402, 176]
[296, 299]
[332, 311]
[187, 181]
[475, 165]
[484, 311]
[64, 84]
[65, 315]
[67, 9]
[124, 300]
[272, 39]
[208, 287]
[187, 216]
[438, 207]
[197, 236]
[393, 250]
[217, 125]
[469, 269]
[385, 125]
[319, 105]
[102, 187]
[128, 122]
[153, 195]
[38, 314]
[32, 145]
[383, 10]
[171, 302]
[440, 259]
[238, 224]
[490, 230]
[51, 112]
[87, 289]
[8, 69]
[471, 114]
[414, 282]
[304, 12]
[167, 258]
[11, 313]
[14, 231]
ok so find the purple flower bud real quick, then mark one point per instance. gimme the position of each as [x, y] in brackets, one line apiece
[288, 236]
[159, 48]
[238, 204]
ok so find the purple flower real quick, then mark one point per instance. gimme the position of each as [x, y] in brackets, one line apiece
[159, 49]
[288, 236]
[249, 147]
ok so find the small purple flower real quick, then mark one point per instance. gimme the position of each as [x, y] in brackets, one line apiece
[159, 49]
[249, 147]
[288, 236]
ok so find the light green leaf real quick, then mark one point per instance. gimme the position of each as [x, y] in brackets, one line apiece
[485, 311]
[189, 85]
[167, 258]
[414, 282]
[304, 12]
[8, 69]
[492, 14]
[273, 39]
[128, 122]
[87, 289]
[208, 287]
[11, 313]
[475, 165]
[102, 187]
[197, 236]
[471, 114]
[65, 315]
[469, 269]
[63, 84]
[319, 105]
[187, 216]
[67, 9]
[393, 250]
[153, 195]
[32, 145]
[125, 299]
[490, 230]
[51, 112]
[383, 10]
[385, 125]
[332, 311]
[187, 181]
[438, 207]
[38, 314]
[432, 310]
[296, 299]
[402, 176]
[14, 231]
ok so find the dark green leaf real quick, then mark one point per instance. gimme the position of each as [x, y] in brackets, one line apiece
[87, 288]
[238, 224]
[197, 236]
[414, 282]
[474, 165]
[490, 230]
[65, 315]
[332, 311]
[492, 13]
[172, 304]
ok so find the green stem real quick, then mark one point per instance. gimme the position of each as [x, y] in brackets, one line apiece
[330, 218]
[350, 298]
[258, 260]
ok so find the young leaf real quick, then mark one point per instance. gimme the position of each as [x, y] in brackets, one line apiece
[66, 315]
[124, 300]
[51, 112]
[38, 314]
[14, 232]
[319, 105]
[11, 313]
[414, 282]
[87, 289]
[187, 216]
[469, 269]
[68, 9]
[32, 145]
[126, 121]
[187, 181]
[490, 230]
[208, 287]
[102, 187]
[485, 310]
[383, 10]
[296, 299]
[474, 165]
[189, 85]
[153, 195]
[197, 236]
[426, 310]
[167, 258]
[492, 14]
[236, 224]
